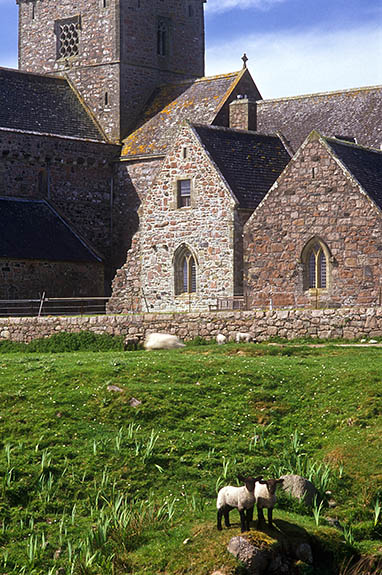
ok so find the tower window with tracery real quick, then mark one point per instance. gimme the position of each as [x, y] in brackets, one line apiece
[68, 37]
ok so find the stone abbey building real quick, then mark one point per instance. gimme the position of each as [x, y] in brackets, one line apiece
[125, 171]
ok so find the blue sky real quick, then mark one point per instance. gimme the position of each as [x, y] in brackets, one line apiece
[294, 46]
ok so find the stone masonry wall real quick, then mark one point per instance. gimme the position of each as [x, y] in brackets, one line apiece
[29, 279]
[95, 70]
[117, 66]
[206, 228]
[314, 197]
[78, 180]
[142, 69]
[343, 323]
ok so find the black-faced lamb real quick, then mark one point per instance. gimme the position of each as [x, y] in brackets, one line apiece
[241, 498]
[265, 495]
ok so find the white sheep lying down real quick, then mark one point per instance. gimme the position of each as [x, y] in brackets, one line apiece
[162, 341]
[243, 498]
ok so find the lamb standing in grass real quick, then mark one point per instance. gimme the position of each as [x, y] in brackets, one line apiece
[245, 337]
[243, 498]
[265, 495]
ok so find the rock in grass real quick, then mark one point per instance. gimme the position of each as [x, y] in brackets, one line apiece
[255, 560]
[115, 389]
[134, 402]
[304, 553]
[300, 488]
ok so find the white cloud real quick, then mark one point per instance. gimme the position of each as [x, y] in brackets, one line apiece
[215, 6]
[291, 63]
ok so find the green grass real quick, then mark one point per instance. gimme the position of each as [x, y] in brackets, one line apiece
[90, 484]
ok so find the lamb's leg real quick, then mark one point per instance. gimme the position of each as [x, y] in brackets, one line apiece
[226, 517]
[247, 518]
[219, 522]
[250, 514]
[270, 517]
[260, 516]
[243, 520]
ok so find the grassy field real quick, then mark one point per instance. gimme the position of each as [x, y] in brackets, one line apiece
[91, 484]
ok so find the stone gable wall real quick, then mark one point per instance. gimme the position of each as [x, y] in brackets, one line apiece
[262, 325]
[330, 206]
[207, 228]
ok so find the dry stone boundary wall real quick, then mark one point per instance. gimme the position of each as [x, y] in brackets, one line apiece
[342, 323]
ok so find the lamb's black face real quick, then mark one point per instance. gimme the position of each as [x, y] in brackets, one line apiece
[272, 485]
[250, 483]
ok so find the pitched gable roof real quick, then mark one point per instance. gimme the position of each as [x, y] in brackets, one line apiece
[198, 101]
[250, 162]
[364, 164]
[43, 104]
[32, 230]
[354, 113]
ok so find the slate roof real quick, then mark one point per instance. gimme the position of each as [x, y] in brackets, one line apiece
[194, 100]
[250, 162]
[43, 104]
[353, 113]
[363, 163]
[32, 230]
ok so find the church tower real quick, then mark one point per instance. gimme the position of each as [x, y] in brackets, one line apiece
[113, 52]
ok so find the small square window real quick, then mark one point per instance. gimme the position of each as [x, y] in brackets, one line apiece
[184, 193]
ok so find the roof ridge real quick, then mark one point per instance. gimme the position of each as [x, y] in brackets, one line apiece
[235, 130]
[36, 74]
[26, 200]
[200, 79]
[330, 139]
[328, 93]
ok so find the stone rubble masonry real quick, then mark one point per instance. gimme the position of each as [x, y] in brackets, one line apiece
[289, 324]
[80, 178]
[207, 228]
[243, 114]
[327, 204]
[117, 51]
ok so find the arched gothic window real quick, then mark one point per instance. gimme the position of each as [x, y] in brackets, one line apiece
[162, 37]
[185, 271]
[316, 265]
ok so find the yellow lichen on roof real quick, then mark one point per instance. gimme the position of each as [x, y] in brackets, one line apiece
[195, 100]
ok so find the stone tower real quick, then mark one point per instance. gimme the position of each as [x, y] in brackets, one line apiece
[114, 52]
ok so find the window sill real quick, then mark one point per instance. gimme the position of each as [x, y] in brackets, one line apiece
[186, 296]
